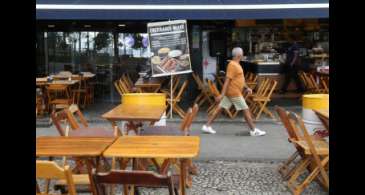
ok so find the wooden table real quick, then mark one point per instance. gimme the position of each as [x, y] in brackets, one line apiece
[175, 147]
[83, 147]
[149, 85]
[85, 76]
[134, 113]
[42, 82]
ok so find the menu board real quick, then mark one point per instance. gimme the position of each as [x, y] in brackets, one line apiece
[169, 48]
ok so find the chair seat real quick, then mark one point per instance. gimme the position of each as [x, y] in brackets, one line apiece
[257, 98]
[91, 132]
[60, 101]
[79, 179]
[161, 130]
[320, 146]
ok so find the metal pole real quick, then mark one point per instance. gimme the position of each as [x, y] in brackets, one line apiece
[171, 96]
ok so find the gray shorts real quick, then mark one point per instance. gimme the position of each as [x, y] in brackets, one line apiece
[238, 102]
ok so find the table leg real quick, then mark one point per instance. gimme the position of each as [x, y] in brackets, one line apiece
[117, 131]
[182, 176]
[48, 181]
[89, 170]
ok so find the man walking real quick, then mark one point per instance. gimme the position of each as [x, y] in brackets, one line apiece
[232, 94]
[292, 65]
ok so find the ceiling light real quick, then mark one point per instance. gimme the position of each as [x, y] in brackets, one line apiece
[87, 26]
[51, 26]
[121, 25]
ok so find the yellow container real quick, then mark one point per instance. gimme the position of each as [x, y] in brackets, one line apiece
[316, 101]
[310, 102]
[144, 98]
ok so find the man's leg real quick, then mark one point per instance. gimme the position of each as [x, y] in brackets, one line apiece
[287, 79]
[248, 118]
[298, 82]
[240, 104]
[214, 116]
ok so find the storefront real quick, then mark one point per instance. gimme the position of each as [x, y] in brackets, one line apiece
[110, 38]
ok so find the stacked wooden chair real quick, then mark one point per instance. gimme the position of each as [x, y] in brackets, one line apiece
[311, 85]
[231, 113]
[177, 92]
[80, 95]
[204, 95]
[259, 100]
[251, 80]
[312, 151]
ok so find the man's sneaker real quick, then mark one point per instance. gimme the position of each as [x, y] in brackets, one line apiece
[257, 132]
[207, 129]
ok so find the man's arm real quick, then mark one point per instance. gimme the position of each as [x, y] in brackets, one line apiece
[224, 89]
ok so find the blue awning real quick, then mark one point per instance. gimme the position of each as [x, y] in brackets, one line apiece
[180, 9]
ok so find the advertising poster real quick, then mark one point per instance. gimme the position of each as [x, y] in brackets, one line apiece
[169, 47]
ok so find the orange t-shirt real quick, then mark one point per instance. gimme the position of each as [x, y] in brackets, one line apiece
[235, 73]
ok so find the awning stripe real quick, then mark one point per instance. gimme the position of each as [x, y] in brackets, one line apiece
[182, 7]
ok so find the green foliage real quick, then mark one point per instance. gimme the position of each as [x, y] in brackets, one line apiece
[102, 40]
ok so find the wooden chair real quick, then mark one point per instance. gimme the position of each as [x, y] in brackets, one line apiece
[162, 165]
[251, 80]
[58, 97]
[127, 83]
[204, 95]
[262, 97]
[174, 102]
[50, 170]
[286, 169]
[213, 89]
[325, 84]
[315, 159]
[310, 83]
[81, 128]
[135, 178]
[81, 92]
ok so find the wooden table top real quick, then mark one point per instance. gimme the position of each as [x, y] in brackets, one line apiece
[41, 82]
[130, 112]
[151, 82]
[71, 146]
[85, 75]
[323, 112]
[154, 147]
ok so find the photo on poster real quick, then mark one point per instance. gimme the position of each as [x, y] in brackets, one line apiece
[169, 48]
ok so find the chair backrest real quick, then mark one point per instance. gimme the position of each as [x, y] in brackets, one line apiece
[181, 90]
[198, 81]
[56, 91]
[50, 170]
[72, 113]
[126, 82]
[269, 88]
[136, 178]
[325, 84]
[59, 118]
[261, 86]
[117, 87]
[123, 86]
[303, 79]
[292, 131]
[213, 88]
